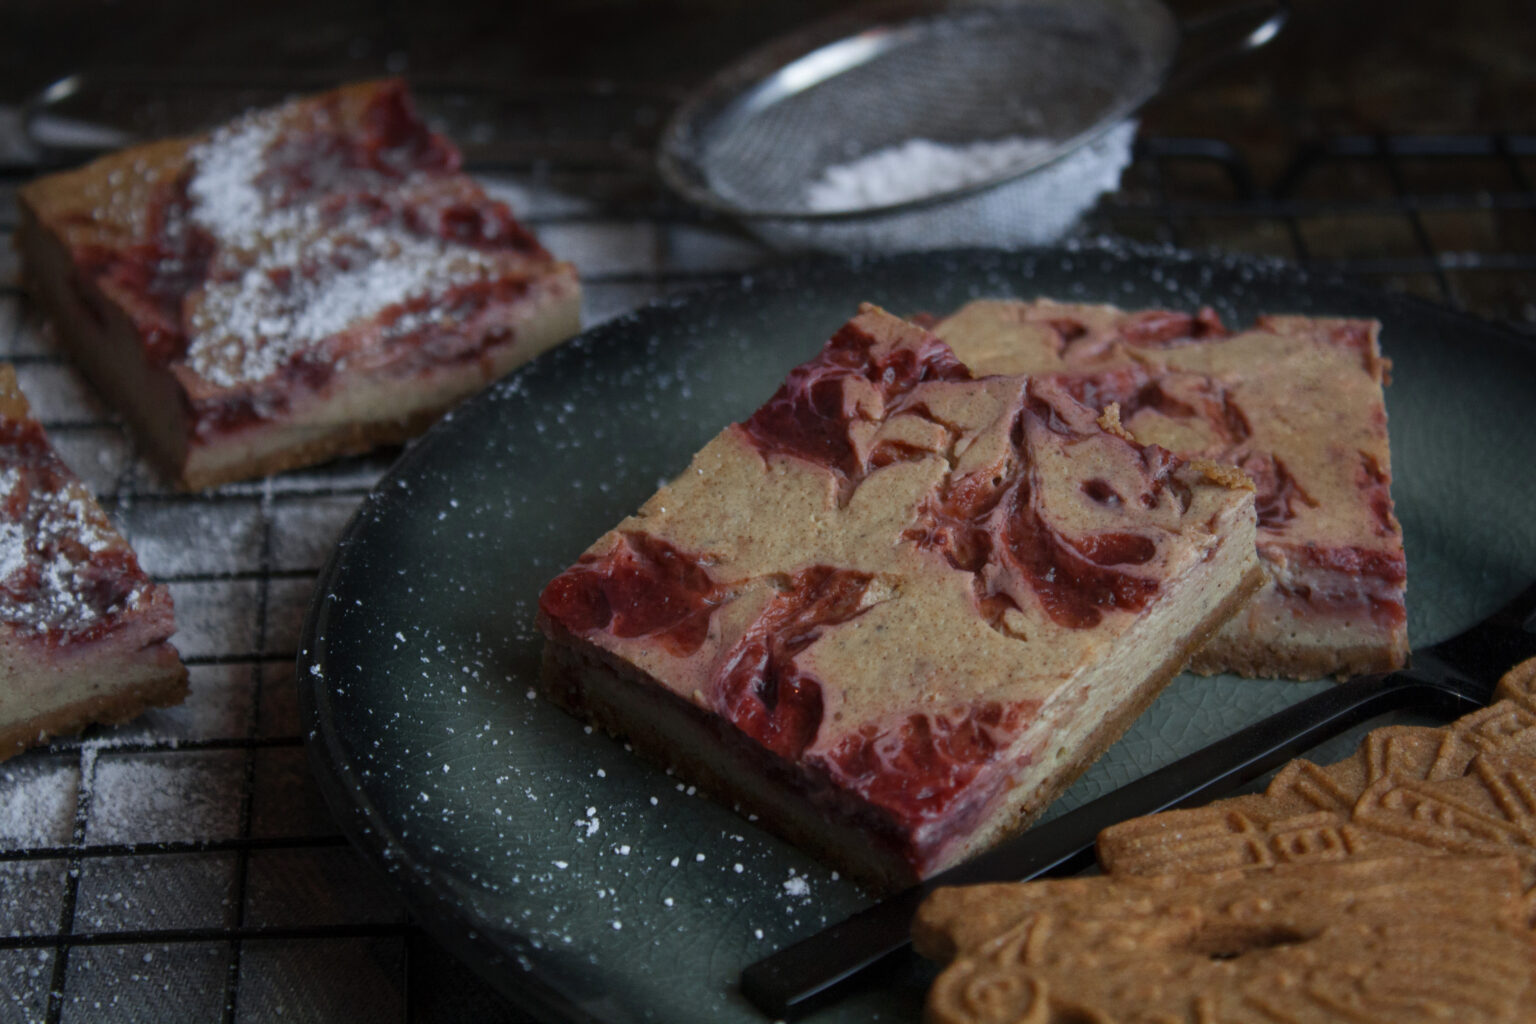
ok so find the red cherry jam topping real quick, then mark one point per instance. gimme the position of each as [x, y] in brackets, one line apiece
[759, 687]
[641, 587]
[64, 576]
[1175, 395]
[1067, 331]
[1162, 328]
[1076, 579]
[991, 518]
[1277, 494]
[811, 414]
[920, 767]
[1380, 599]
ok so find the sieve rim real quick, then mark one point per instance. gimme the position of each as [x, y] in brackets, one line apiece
[877, 27]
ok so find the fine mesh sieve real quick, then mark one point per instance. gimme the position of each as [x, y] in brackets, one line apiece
[1057, 73]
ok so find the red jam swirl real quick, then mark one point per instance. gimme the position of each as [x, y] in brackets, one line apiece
[64, 580]
[323, 158]
[1277, 494]
[386, 167]
[155, 276]
[645, 587]
[918, 768]
[1180, 396]
[1067, 331]
[994, 517]
[1076, 579]
[1381, 601]
[641, 587]
[811, 414]
[1163, 328]
[1350, 559]
[759, 687]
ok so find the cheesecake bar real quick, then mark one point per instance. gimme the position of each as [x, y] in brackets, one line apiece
[84, 634]
[898, 609]
[1294, 402]
[304, 282]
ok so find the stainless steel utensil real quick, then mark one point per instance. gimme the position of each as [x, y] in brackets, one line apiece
[1060, 73]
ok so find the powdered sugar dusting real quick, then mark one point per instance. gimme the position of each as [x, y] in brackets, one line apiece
[225, 199]
[295, 266]
[247, 328]
[39, 805]
[55, 575]
[152, 798]
[799, 885]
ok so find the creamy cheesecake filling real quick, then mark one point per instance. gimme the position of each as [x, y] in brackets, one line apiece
[1296, 404]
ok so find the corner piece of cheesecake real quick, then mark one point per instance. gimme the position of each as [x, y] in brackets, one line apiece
[304, 282]
[84, 634]
[1297, 404]
[896, 611]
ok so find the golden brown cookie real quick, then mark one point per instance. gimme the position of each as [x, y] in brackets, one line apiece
[1467, 789]
[1394, 941]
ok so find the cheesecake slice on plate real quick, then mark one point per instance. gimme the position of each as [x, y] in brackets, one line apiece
[899, 608]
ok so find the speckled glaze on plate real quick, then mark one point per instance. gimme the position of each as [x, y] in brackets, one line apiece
[590, 886]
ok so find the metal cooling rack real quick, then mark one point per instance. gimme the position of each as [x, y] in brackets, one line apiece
[183, 867]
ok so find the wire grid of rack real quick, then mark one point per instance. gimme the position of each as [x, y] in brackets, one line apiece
[183, 867]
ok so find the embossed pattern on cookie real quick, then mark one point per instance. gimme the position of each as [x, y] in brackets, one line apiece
[1299, 944]
[1467, 789]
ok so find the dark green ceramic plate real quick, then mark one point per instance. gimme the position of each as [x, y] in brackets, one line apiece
[590, 886]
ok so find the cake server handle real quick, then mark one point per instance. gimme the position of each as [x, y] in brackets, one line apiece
[1449, 679]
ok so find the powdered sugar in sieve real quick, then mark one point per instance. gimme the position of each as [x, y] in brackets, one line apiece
[915, 124]
[916, 169]
[1034, 209]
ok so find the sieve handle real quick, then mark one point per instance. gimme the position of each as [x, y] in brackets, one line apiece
[1209, 39]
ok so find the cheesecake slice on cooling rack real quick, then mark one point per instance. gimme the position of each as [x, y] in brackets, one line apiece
[304, 282]
[84, 633]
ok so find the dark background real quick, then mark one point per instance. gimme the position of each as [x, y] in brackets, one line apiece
[1342, 66]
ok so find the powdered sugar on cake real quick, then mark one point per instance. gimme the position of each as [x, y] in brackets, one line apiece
[291, 270]
[246, 329]
[225, 199]
[60, 571]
